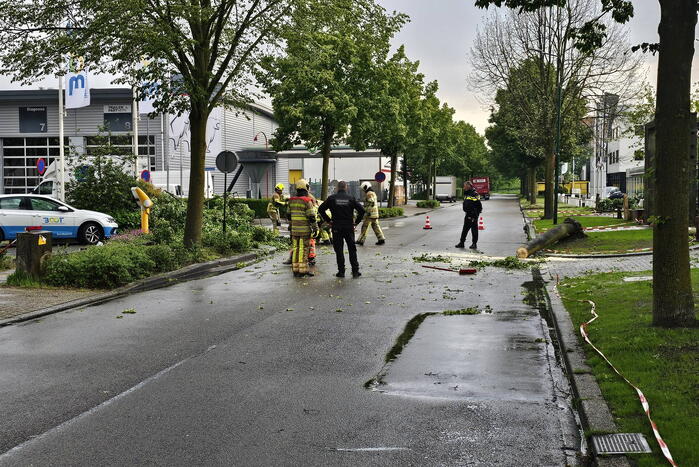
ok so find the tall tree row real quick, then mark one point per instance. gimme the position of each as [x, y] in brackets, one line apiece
[673, 302]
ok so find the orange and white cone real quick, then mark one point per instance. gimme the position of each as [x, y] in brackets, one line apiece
[481, 226]
[427, 224]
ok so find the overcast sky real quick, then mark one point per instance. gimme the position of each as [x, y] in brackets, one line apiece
[440, 34]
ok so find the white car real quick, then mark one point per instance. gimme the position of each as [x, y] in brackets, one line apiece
[17, 212]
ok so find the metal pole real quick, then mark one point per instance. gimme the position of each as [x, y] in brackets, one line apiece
[134, 127]
[166, 164]
[225, 199]
[61, 148]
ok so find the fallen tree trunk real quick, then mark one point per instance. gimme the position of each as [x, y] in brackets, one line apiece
[551, 236]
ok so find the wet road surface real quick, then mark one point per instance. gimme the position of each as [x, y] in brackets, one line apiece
[254, 367]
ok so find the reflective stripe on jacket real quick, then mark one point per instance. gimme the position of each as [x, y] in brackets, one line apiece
[302, 214]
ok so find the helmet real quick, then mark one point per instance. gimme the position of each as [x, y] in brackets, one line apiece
[366, 186]
[301, 184]
[279, 187]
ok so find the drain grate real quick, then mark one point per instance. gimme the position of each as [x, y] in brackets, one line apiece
[620, 443]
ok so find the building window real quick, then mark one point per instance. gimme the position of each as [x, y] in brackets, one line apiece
[19, 158]
[122, 145]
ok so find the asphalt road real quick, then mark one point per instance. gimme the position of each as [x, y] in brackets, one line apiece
[255, 367]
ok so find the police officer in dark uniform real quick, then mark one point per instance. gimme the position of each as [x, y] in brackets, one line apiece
[472, 208]
[342, 207]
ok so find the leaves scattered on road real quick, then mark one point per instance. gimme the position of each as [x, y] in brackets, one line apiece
[427, 258]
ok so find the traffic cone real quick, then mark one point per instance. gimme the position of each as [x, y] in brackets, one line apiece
[427, 224]
[480, 223]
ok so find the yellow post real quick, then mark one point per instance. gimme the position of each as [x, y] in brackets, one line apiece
[145, 204]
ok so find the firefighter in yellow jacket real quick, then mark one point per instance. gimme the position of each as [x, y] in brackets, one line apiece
[371, 205]
[303, 225]
[276, 202]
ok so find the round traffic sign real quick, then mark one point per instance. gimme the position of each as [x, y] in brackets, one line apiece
[145, 175]
[41, 166]
[226, 161]
[380, 177]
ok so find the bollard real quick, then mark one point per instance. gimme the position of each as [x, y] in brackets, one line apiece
[32, 247]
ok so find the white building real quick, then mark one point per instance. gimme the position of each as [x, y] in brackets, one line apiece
[615, 156]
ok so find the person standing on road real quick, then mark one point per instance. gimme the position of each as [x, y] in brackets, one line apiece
[303, 226]
[472, 208]
[342, 206]
[276, 202]
[371, 205]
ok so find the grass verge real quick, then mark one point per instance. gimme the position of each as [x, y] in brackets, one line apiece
[606, 242]
[542, 225]
[664, 363]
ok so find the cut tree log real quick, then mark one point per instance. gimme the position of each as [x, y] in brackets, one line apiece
[568, 227]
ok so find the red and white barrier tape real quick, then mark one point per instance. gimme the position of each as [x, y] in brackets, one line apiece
[641, 396]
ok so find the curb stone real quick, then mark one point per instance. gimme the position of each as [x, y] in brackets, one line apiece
[187, 273]
[610, 255]
[593, 409]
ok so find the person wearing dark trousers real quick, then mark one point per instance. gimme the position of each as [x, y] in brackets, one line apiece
[472, 209]
[342, 206]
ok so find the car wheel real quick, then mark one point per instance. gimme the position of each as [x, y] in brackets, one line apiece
[90, 233]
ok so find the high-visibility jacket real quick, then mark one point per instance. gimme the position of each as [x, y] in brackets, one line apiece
[302, 214]
[371, 205]
[275, 202]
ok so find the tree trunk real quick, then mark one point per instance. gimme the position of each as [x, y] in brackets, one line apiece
[549, 176]
[195, 200]
[531, 172]
[405, 177]
[325, 151]
[392, 182]
[673, 303]
[551, 236]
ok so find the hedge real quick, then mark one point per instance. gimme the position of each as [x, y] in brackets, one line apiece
[390, 212]
[430, 203]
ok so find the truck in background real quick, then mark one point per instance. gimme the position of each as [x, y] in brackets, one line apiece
[482, 186]
[445, 188]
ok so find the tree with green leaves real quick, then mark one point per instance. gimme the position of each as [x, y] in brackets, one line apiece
[537, 46]
[320, 83]
[390, 111]
[210, 45]
[673, 301]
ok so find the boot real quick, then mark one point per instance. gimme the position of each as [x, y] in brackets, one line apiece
[459, 245]
[381, 242]
[359, 242]
[473, 246]
[356, 274]
[308, 274]
[312, 262]
[340, 274]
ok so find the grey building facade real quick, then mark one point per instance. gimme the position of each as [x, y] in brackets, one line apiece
[29, 132]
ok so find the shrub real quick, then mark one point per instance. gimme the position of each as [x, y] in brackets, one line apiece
[261, 234]
[231, 241]
[165, 258]
[420, 195]
[5, 261]
[609, 205]
[258, 206]
[430, 203]
[390, 212]
[105, 267]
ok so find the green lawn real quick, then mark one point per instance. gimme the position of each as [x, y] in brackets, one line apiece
[663, 363]
[542, 225]
[606, 242]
